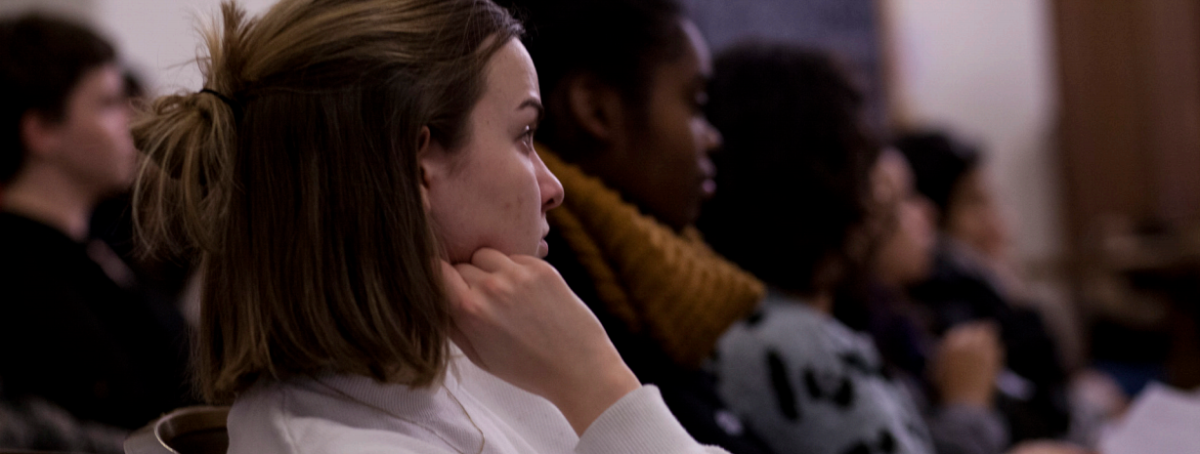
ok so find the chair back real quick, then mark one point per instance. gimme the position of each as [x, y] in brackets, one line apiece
[189, 430]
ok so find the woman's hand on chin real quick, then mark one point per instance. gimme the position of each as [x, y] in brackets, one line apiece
[516, 318]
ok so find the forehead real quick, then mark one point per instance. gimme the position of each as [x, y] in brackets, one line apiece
[691, 66]
[510, 78]
[696, 47]
[102, 80]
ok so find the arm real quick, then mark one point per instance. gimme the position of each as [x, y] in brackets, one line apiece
[516, 318]
[639, 423]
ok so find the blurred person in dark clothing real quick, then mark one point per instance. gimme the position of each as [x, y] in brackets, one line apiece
[624, 85]
[971, 280]
[74, 329]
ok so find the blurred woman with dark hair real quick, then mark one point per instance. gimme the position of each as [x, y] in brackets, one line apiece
[625, 131]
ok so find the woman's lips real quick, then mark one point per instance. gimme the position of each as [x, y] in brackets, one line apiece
[708, 188]
[708, 171]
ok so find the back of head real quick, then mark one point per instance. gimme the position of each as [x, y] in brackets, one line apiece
[294, 176]
[939, 162]
[618, 42]
[42, 59]
[793, 175]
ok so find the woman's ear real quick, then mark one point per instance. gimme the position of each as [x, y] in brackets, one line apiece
[596, 107]
[425, 163]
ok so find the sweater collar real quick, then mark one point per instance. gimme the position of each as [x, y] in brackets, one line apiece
[442, 409]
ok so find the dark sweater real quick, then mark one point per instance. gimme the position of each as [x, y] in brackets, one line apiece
[72, 336]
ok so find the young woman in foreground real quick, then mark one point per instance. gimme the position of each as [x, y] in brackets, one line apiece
[360, 180]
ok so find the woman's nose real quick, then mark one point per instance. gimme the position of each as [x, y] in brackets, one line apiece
[551, 188]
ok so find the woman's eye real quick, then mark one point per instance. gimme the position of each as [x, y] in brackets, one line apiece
[527, 137]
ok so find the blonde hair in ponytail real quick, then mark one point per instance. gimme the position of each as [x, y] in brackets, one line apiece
[294, 178]
[188, 139]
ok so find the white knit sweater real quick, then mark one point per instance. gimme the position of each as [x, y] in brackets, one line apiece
[471, 412]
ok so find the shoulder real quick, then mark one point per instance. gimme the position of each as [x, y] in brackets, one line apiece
[778, 322]
[21, 235]
[790, 344]
[283, 418]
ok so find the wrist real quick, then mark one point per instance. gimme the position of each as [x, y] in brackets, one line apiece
[593, 393]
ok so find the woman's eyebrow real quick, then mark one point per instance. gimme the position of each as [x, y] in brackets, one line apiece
[536, 105]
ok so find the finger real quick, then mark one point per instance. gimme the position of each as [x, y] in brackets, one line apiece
[491, 260]
[986, 328]
[977, 336]
[471, 274]
[527, 260]
[956, 338]
[990, 337]
[981, 334]
[453, 281]
[959, 331]
[970, 329]
[535, 265]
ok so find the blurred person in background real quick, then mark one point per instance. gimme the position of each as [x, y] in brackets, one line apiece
[75, 331]
[626, 134]
[807, 203]
[974, 278]
[160, 277]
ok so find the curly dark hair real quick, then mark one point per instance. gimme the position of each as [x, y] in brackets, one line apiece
[793, 190]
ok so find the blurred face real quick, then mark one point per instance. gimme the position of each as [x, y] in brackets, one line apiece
[92, 143]
[973, 217]
[495, 191]
[668, 172]
[905, 253]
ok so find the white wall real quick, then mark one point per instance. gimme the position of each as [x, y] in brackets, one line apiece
[985, 69]
[158, 38]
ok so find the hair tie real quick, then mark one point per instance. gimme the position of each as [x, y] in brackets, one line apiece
[225, 99]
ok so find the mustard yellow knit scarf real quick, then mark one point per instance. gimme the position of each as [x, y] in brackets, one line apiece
[670, 286]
